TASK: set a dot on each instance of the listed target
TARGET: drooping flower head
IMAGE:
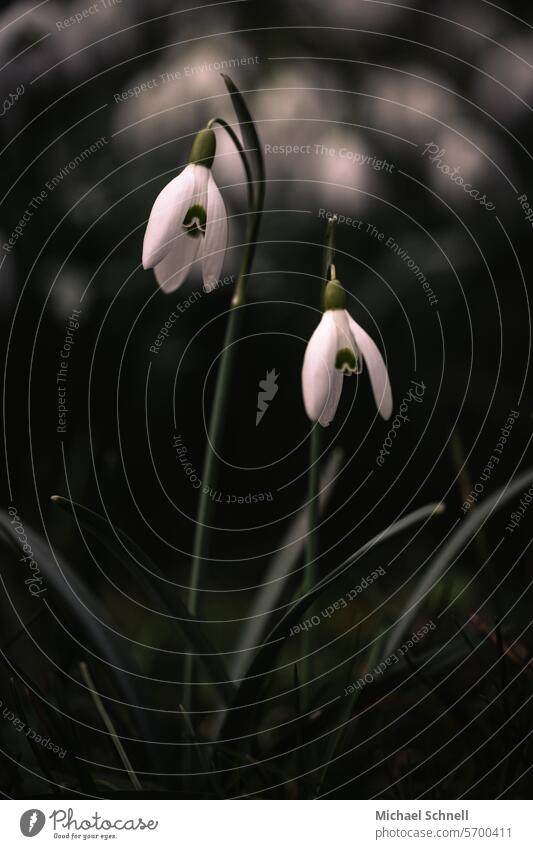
(338, 348)
(188, 221)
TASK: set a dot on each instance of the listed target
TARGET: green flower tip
(195, 220)
(347, 361)
(204, 148)
(334, 297)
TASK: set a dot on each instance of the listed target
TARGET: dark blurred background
(370, 91)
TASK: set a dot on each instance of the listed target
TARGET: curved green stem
(209, 470)
(242, 153)
(312, 542)
(256, 191)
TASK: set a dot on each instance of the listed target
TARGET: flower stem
(209, 471)
(218, 410)
(312, 541)
(242, 153)
(256, 195)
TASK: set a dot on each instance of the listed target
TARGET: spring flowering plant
(188, 221)
(188, 227)
(337, 349)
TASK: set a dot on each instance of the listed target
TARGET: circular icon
(32, 822)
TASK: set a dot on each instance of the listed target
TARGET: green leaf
(277, 586)
(239, 722)
(251, 141)
(86, 611)
(136, 561)
(451, 551)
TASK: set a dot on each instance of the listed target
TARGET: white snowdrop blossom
(188, 222)
(338, 348)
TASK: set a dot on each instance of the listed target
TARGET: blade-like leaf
(135, 561)
(250, 139)
(239, 721)
(451, 551)
(85, 609)
(277, 586)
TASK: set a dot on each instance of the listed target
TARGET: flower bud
(334, 296)
(204, 148)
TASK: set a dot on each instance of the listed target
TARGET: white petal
(166, 216)
(330, 408)
(377, 370)
(174, 267)
(185, 249)
(321, 381)
(201, 177)
(216, 237)
(345, 337)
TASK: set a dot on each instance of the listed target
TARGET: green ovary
(347, 361)
(195, 221)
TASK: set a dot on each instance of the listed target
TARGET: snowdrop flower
(188, 221)
(336, 349)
